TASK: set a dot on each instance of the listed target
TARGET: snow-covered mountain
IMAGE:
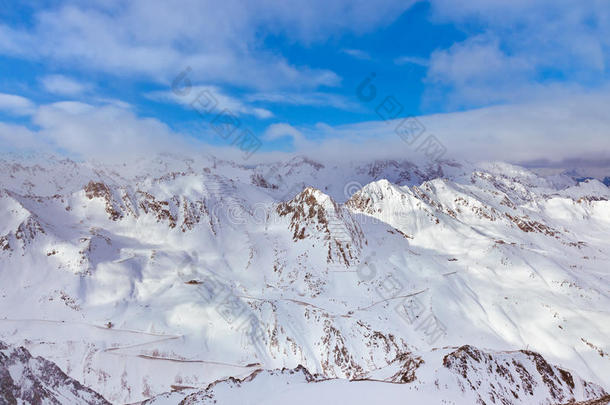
(159, 277)
(33, 380)
(467, 375)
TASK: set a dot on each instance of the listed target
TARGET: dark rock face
(34, 380)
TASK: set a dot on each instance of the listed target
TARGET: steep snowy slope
(170, 272)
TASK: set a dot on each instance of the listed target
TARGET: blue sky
(514, 80)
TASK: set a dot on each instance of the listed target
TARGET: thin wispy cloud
(414, 60)
(65, 86)
(357, 53)
(315, 99)
(213, 95)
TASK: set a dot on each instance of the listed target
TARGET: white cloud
(212, 98)
(221, 41)
(109, 132)
(477, 71)
(106, 131)
(16, 105)
(277, 131)
(18, 137)
(517, 49)
(65, 86)
(572, 125)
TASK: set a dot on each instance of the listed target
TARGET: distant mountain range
(174, 279)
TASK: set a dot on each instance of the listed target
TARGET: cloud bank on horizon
(521, 81)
